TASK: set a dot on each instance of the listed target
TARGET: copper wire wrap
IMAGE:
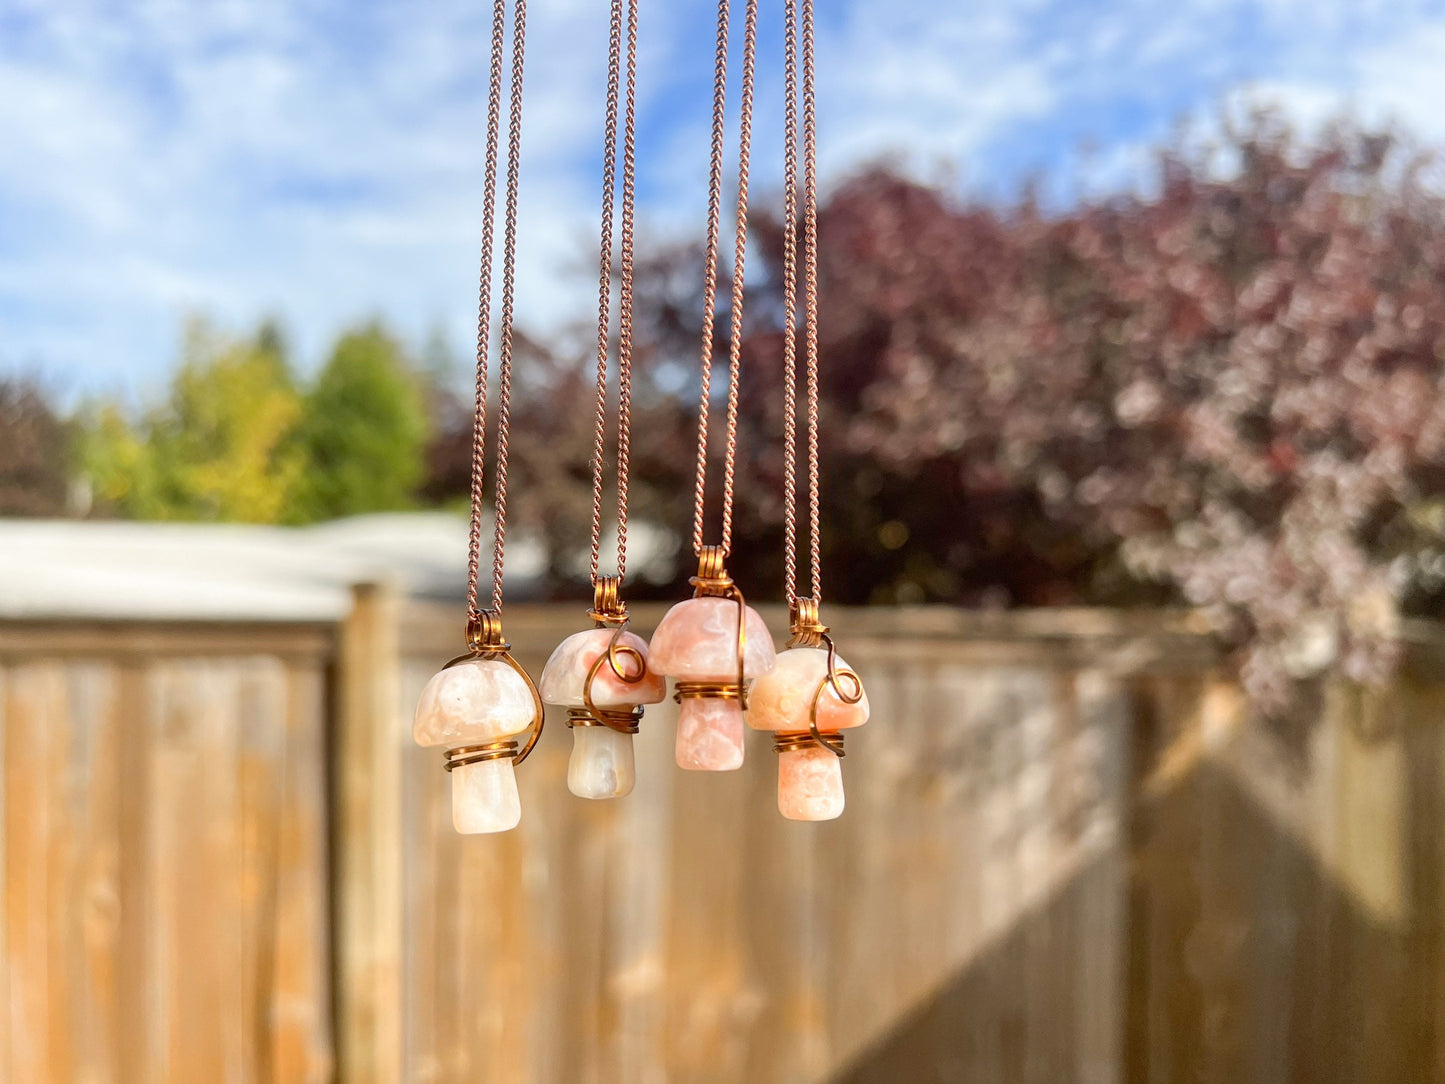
(710, 262)
(484, 292)
(712, 577)
(787, 741)
(809, 631)
(623, 720)
(485, 641)
(712, 580)
(463, 755)
(803, 621)
(608, 609)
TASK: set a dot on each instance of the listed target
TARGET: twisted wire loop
(713, 581)
(710, 269)
(625, 719)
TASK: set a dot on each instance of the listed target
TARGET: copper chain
(709, 271)
(624, 300)
(484, 308)
(810, 290)
(790, 298)
(810, 261)
(604, 288)
(714, 217)
(484, 289)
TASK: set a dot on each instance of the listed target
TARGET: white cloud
(176, 157)
(322, 160)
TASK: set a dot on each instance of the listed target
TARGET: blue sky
(320, 160)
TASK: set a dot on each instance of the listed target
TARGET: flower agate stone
(810, 784)
(697, 641)
(566, 673)
(810, 779)
(474, 703)
(783, 697)
(484, 797)
(602, 764)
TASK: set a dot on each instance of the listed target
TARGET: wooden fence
(1069, 854)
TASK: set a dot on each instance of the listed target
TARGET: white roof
(193, 571)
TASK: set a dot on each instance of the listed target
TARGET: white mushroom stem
(484, 797)
(602, 764)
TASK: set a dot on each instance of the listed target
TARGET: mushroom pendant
(474, 706)
(808, 699)
(713, 644)
(602, 678)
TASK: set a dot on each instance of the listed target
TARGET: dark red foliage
(34, 450)
(1229, 393)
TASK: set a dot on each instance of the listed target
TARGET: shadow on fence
(1069, 854)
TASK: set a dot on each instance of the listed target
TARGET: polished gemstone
(783, 697)
(602, 764)
(697, 641)
(709, 735)
(810, 784)
(473, 702)
(566, 672)
(484, 797)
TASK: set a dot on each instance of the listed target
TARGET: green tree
(218, 449)
(116, 459)
(363, 431)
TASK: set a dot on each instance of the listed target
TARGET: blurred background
(1133, 340)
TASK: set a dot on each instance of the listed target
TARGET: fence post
(368, 785)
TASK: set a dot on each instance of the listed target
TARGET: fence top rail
(1127, 640)
(165, 639)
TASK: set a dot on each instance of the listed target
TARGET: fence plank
(370, 729)
(28, 812)
(1069, 854)
(297, 1002)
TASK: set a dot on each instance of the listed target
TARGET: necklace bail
(484, 632)
(607, 605)
(807, 628)
(712, 577)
